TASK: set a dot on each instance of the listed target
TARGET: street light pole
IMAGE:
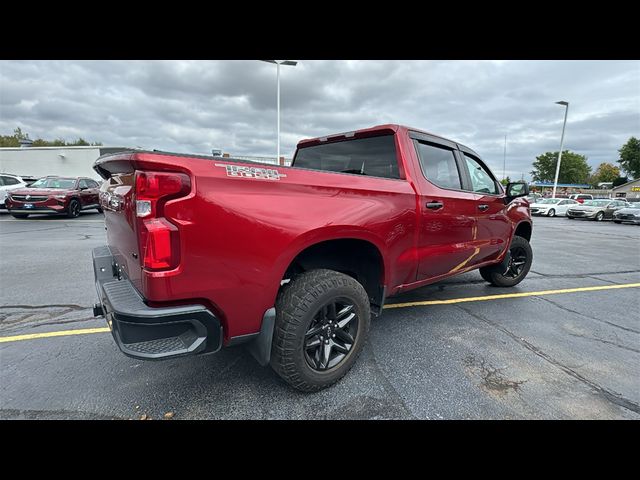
(504, 159)
(278, 63)
(555, 182)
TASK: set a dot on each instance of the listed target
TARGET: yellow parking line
(60, 333)
(511, 295)
(86, 331)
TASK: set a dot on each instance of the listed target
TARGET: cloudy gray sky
(194, 106)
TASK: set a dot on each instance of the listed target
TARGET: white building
(36, 162)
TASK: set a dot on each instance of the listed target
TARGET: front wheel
(599, 216)
(569, 217)
(322, 322)
(519, 265)
(552, 213)
(73, 210)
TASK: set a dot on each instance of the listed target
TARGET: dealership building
(34, 162)
(628, 190)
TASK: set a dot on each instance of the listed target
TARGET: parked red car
(55, 195)
(207, 252)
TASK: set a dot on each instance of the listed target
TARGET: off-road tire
(297, 304)
(495, 276)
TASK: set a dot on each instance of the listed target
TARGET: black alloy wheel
(331, 335)
(517, 262)
(520, 261)
(73, 210)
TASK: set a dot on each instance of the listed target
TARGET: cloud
(194, 106)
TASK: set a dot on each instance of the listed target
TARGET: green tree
(606, 172)
(14, 141)
(573, 168)
(620, 181)
(630, 157)
(505, 181)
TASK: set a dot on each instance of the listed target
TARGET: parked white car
(9, 182)
(552, 207)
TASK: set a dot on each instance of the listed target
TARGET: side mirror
(517, 189)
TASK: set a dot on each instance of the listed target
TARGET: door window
(439, 166)
(9, 181)
(481, 180)
(83, 184)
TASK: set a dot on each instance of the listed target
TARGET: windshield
(550, 200)
(375, 156)
(62, 183)
(596, 203)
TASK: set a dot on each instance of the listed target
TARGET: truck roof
(364, 132)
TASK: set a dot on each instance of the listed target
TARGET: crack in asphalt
(609, 342)
(387, 386)
(35, 324)
(30, 231)
(583, 275)
(566, 309)
(492, 377)
(16, 414)
(613, 397)
(72, 306)
(19, 317)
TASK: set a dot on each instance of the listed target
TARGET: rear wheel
(552, 213)
(322, 322)
(599, 216)
(20, 215)
(516, 271)
(73, 210)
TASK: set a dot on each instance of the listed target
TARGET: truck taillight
(158, 238)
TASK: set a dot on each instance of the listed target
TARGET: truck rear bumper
(145, 332)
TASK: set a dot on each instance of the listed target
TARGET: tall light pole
(566, 111)
(278, 63)
(504, 159)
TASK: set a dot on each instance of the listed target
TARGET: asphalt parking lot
(559, 349)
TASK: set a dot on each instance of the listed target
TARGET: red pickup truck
(205, 252)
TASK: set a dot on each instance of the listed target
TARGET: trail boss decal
(251, 172)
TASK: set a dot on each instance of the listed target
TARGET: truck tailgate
(118, 203)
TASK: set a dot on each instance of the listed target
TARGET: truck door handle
(483, 207)
(435, 205)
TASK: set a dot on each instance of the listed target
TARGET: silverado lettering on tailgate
(251, 172)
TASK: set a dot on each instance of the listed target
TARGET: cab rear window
(372, 156)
